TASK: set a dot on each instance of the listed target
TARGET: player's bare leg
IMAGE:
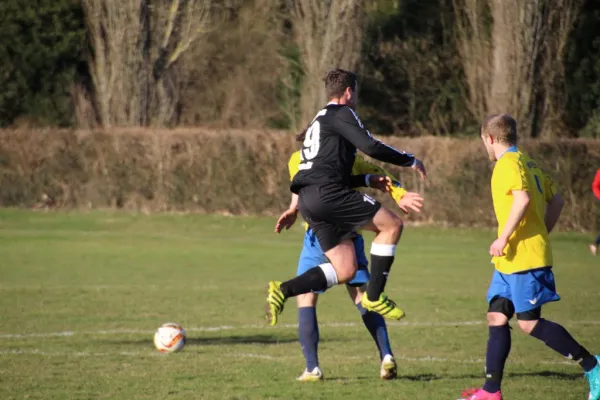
(388, 229)
(343, 260)
(308, 335)
(376, 326)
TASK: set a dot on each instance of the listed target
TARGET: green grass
(112, 278)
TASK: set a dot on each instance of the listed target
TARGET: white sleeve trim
(356, 117)
(379, 141)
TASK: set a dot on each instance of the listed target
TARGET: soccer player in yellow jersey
(527, 206)
(312, 254)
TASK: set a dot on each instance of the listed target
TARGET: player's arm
(553, 210)
(359, 180)
(352, 129)
(405, 200)
(378, 182)
(517, 212)
(362, 166)
(294, 203)
(288, 218)
(516, 184)
(554, 203)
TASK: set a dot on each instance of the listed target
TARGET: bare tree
(562, 16)
(474, 45)
(329, 34)
(234, 71)
(135, 46)
(512, 53)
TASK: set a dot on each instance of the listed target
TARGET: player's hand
(380, 182)
(420, 168)
(497, 248)
(286, 220)
(412, 201)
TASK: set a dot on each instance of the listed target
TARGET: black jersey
(329, 148)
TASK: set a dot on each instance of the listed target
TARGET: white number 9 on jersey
(310, 147)
(312, 141)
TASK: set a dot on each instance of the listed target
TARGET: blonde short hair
(501, 127)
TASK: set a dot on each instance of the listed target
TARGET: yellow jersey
(361, 166)
(528, 247)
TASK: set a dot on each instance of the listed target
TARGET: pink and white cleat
(480, 394)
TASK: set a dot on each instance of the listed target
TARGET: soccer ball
(169, 338)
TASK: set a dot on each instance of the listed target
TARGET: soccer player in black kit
(333, 210)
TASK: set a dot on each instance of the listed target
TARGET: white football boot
(389, 368)
(312, 376)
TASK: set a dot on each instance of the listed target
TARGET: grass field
(82, 293)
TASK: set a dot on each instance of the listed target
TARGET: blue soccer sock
(377, 328)
(498, 348)
(558, 339)
(597, 241)
(308, 334)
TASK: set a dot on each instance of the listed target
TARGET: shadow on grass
(216, 340)
(433, 377)
(240, 339)
(572, 376)
(414, 378)
(420, 377)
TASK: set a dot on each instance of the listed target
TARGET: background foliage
(258, 63)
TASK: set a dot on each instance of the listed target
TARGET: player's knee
(496, 319)
(500, 311)
(346, 273)
(397, 227)
(527, 326)
(529, 319)
(343, 260)
(393, 227)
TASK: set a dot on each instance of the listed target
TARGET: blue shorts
(527, 290)
(312, 255)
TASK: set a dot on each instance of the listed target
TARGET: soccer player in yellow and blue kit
(312, 254)
(527, 206)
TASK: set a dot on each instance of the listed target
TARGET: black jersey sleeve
(358, 181)
(350, 126)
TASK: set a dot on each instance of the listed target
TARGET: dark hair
(300, 137)
(500, 126)
(336, 82)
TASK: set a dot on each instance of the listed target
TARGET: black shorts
(335, 212)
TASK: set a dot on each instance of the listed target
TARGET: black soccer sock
(558, 339)
(314, 280)
(498, 348)
(382, 258)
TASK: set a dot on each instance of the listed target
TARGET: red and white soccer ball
(169, 338)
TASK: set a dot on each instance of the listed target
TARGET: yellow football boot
(275, 302)
(384, 306)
